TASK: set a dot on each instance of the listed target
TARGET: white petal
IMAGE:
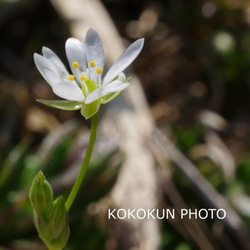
(75, 51)
(115, 86)
(94, 48)
(56, 62)
(93, 96)
(69, 91)
(52, 77)
(44, 66)
(125, 59)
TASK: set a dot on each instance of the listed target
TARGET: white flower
(85, 88)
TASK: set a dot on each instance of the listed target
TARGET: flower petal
(69, 91)
(115, 86)
(93, 96)
(52, 77)
(61, 104)
(44, 66)
(56, 62)
(75, 51)
(125, 59)
(94, 48)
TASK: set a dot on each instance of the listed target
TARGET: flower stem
(85, 163)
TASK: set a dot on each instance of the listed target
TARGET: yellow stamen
(99, 71)
(71, 78)
(82, 78)
(92, 64)
(75, 65)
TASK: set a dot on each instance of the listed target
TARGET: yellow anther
(82, 78)
(99, 71)
(75, 65)
(92, 64)
(71, 78)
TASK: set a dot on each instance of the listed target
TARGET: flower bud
(58, 224)
(41, 194)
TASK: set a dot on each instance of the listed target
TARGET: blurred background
(195, 74)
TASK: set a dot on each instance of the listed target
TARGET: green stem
(85, 163)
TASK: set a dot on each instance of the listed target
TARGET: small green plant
(84, 90)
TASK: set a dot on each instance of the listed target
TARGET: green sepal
(61, 104)
(88, 110)
(42, 224)
(110, 97)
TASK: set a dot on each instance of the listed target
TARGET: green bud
(58, 224)
(50, 217)
(41, 194)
